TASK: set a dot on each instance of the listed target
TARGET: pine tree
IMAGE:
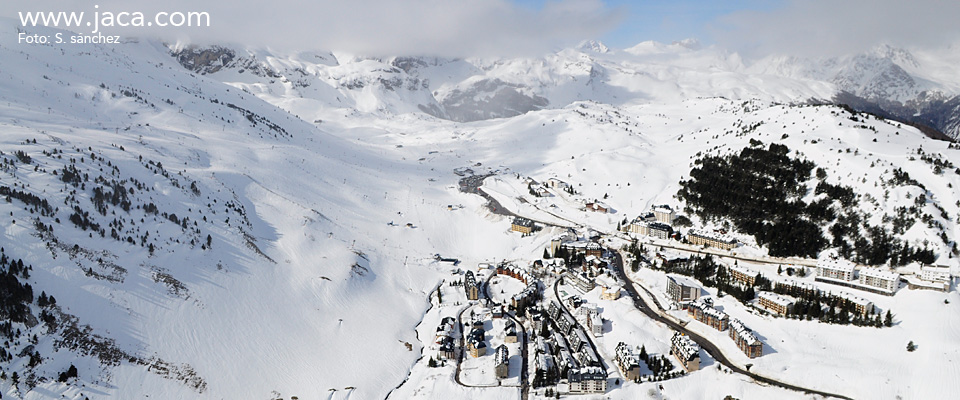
(911, 347)
(888, 321)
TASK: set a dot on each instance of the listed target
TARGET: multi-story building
(838, 269)
(711, 239)
(501, 362)
(514, 272)
(585, 247)
(686, 350)
(779, 304)
(682, 289)
(589, 316)
(939, 273)
(743, 275)
(447, 349)
(470, 287)
(510, 332)
(628, 361)
(655, 229)
(745, 339)
(522, 225)
(527, 296)
(708, 315)
(664, 213)
(885, 281)
(861, 305)
(565, 323)
(546, 369)
(578, 338)
(933, 278)
(587, 380)
(553, 310)
(610, 293)
(579, 280)
(796, 288)
(588, 357)
(476, 343)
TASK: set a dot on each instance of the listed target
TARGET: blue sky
(669, 20)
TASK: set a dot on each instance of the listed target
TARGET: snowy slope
(308, 168)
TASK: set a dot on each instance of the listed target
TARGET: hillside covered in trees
(765, 192)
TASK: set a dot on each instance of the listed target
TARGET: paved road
(524, 387)
(702, 341)
(672, 244)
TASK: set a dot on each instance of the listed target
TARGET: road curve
(702, 341)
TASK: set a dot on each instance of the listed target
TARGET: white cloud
(372, 27)
(828, 27)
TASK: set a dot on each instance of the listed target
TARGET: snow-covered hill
(233, 223)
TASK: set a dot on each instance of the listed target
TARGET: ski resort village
(665, 221)
(621, 312)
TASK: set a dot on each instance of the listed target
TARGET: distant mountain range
(887, 81)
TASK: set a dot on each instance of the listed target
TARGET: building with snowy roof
(742, 274)
(885, 281)
(686, 351)
(796, 288)
(746, 341)
(596, 206)
(861, 305)
(838, 269)
(708, 315)
(658, 230)
(587, 380)
(777, 303)
(522, 225)
(939, 273)
(628, 361)
(470, 287)
(682, 289)
(701, 237)
(501, 362)
(664, 213)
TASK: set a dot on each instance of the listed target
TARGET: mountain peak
(595, 46)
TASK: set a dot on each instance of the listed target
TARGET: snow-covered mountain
(887, 80)
(226, 222)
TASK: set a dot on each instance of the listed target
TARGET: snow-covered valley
(269, 229)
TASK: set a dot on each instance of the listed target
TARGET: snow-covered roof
(683, 280)
(711, 235)
(685, 346)
(709, 311)
(502, 355)
(663, 208)
(879, 274)
(523, 222)
(855, 300)
(743, 332)
(836, 264)
(782, 300)
(798, 284)
(626, 356)
(743, 270)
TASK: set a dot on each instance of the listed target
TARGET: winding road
(704, 343)
(524, 386)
